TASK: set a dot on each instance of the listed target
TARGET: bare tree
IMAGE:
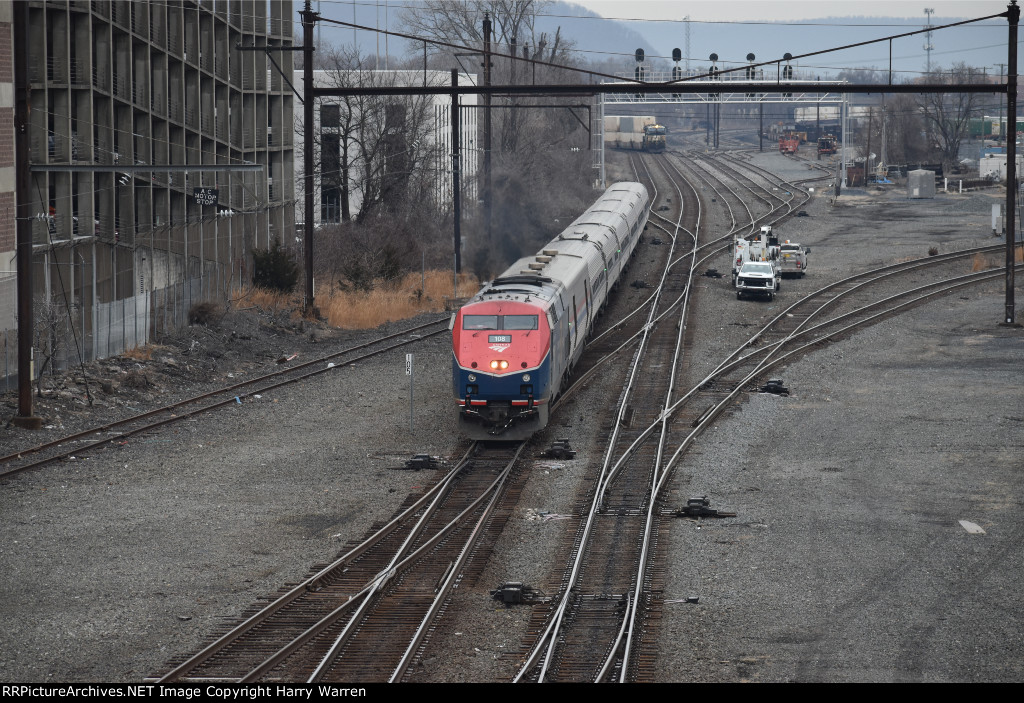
(946, 115)
(904, 128)
(461, 23)
(540, 165)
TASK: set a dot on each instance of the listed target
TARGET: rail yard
(868, 528)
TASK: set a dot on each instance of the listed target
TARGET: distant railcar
(654, 138)
(789, 143)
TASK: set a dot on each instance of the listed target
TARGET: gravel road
(846, 561)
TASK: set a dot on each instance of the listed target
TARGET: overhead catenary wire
(597, 74)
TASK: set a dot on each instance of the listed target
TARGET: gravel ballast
(846, 561)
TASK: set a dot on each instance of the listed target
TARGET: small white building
(994, 165)
(338, 120)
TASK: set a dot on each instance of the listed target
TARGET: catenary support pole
(487, 129)
(308, 22)
(1013, 15)
(456, 157)
(23, 226)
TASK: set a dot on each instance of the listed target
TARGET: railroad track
(600, 627)
(118, 431)
(609, 612)
(367, 615)
(375, 641)
(576, 638)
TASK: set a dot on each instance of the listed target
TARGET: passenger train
(516, 340)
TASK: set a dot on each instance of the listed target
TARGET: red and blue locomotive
(515, 342)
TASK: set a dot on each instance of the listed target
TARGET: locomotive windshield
(499, 322)
(480, 322)
(518, 322)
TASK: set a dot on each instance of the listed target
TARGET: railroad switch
(775, 386)
(698, 507)
(516, 592)
(560, 449)
(712, 273)
(423, 461)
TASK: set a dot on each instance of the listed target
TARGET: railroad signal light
(787, 72)
(713, 71)
(749, 71)
(639, 71)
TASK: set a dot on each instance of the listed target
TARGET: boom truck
(755, 267)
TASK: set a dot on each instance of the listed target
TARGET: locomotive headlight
(526, 377)
(494, 365)
(471, 377)
(503, 364)
(499, 364)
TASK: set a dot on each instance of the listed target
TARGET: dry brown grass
(265, 299)
(143, 353)
(981, 262)
(390, 302)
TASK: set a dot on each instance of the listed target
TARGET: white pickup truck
(793, 258)
(759, 278)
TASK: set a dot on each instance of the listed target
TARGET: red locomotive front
(501, 368)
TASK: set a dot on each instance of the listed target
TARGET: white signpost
(408, 372)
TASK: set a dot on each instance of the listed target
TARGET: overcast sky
(753, 10)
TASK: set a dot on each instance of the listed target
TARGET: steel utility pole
(487, 127)
(308, 22)
(1000, 113)
(456, 195)
(1013, 16)
(928, 35)
(23, 221)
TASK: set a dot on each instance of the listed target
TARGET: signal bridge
(763, 88)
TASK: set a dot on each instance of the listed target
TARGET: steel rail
(554, 623)
(617, 468)
(389, 571)
(798, 334)
(877, 275)
(313, 581)
(761, 368)
(713, 375)
(633, 603)
(330, 619)
(454, 573)
(549, 636)
(712, 413)
(203, 396)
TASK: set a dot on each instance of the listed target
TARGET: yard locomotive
(515, 342)
(789, 143)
